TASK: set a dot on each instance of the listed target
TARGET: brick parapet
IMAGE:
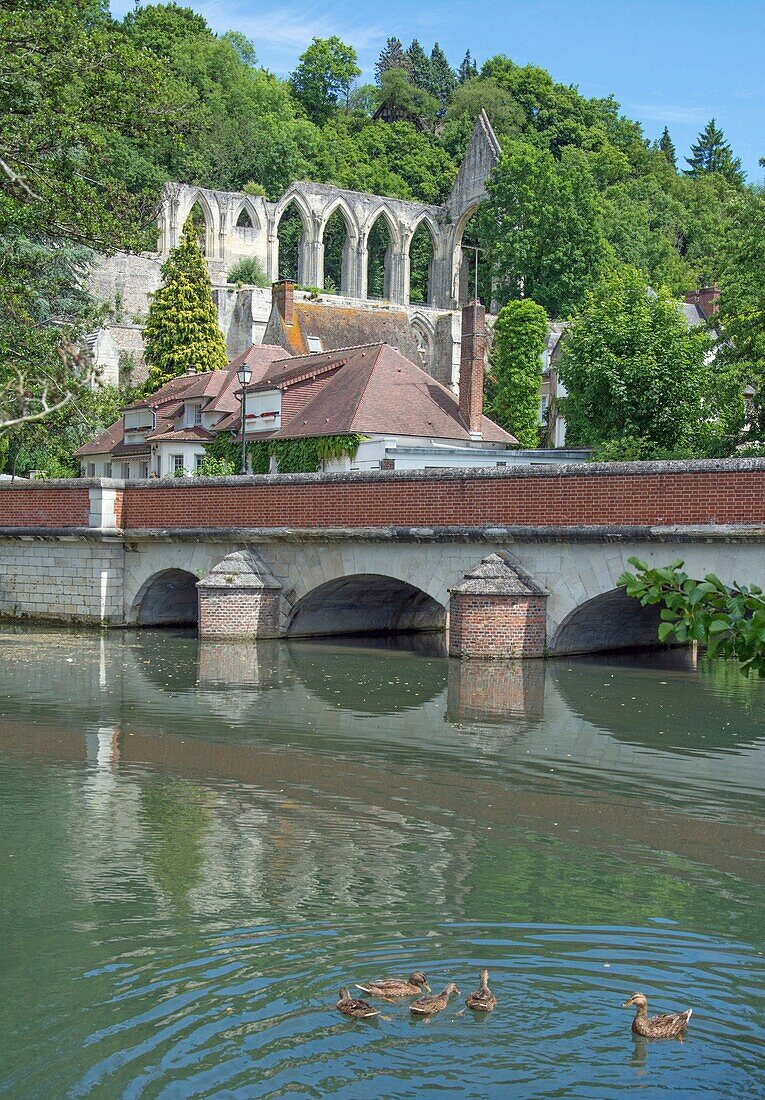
(577, 495)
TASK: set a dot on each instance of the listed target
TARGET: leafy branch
(730, 622)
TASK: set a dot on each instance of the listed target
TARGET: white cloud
(670, 113)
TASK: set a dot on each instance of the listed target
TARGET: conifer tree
(467, 70)
(419, 67)
(520, 332)
(667, 147)
(182, 326)
(442, 78)
(392, 56)
(712, 153)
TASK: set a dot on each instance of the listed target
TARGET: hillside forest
(96, 114)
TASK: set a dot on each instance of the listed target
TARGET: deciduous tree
(543, 225)
(324, 77)
(635, 373)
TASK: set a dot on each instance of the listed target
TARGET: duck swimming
(359, 1010)
(429, 1006)
(483, 1000)
(391, 988)
(656, 1027)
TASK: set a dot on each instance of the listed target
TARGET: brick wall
(644, 499)
(238, 613)
(567, 496)
(49, 507)
(497, 626)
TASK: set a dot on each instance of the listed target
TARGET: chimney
(472, 356)
(283, 297)
(707, 299)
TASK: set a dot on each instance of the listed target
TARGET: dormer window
(263, 411)
(197, 415)
(314, 344)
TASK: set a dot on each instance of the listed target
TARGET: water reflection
(215, 837)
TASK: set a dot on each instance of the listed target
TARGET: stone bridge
(521, 561)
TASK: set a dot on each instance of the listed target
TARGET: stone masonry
(286, 554)
(125, 282)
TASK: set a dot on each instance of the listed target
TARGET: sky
(667, 62)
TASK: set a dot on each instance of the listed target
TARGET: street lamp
(243, 375)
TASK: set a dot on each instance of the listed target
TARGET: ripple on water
(250, 1012)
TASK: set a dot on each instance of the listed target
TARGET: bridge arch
(167, 598)
(365, 603)
(611, 621)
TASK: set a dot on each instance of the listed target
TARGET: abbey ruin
(239, 226)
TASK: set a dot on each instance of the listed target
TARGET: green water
(199, 844)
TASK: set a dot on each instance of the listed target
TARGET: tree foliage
(324, 77)
(741, 276)
(729, 621)
(392, 56)
(544, 227)
(712, 153)
(182, 326)
(518, 342)
(74, 94)
(635, 373)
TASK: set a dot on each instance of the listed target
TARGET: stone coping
(487, 534)
(501, 473)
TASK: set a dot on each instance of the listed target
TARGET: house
(404, 417)
(165, 434)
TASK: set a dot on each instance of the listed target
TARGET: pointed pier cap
(496, 575)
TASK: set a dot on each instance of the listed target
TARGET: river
(201, 843)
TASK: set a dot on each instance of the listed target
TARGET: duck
(392, 988)
(483, 1000)
(429, 1006)
(670, 1026)
(350, 1006)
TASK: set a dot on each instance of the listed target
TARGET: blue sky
(665, 61)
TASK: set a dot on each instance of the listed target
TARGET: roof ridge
(369, 378)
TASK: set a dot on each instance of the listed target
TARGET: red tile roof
(378, 391)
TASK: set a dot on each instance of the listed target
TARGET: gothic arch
(246, 205)
(459, 286)
(424, 334)
(211, 214)
(345, 278)
(292, 199)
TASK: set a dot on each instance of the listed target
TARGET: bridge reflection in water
(209, 839)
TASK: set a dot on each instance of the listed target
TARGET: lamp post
(243, 375)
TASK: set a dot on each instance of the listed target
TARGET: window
(144, 469)
(126, 470)
(314, 344)
(199, 459)
(197, 411)
(177, 461)
(91, 469)
(108, 469)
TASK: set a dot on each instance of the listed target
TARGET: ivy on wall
(223, 455)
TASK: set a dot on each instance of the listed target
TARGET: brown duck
(359, 1010)
(483, 1000)
(656, 1027)
(391, 988)
(429, 1006)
